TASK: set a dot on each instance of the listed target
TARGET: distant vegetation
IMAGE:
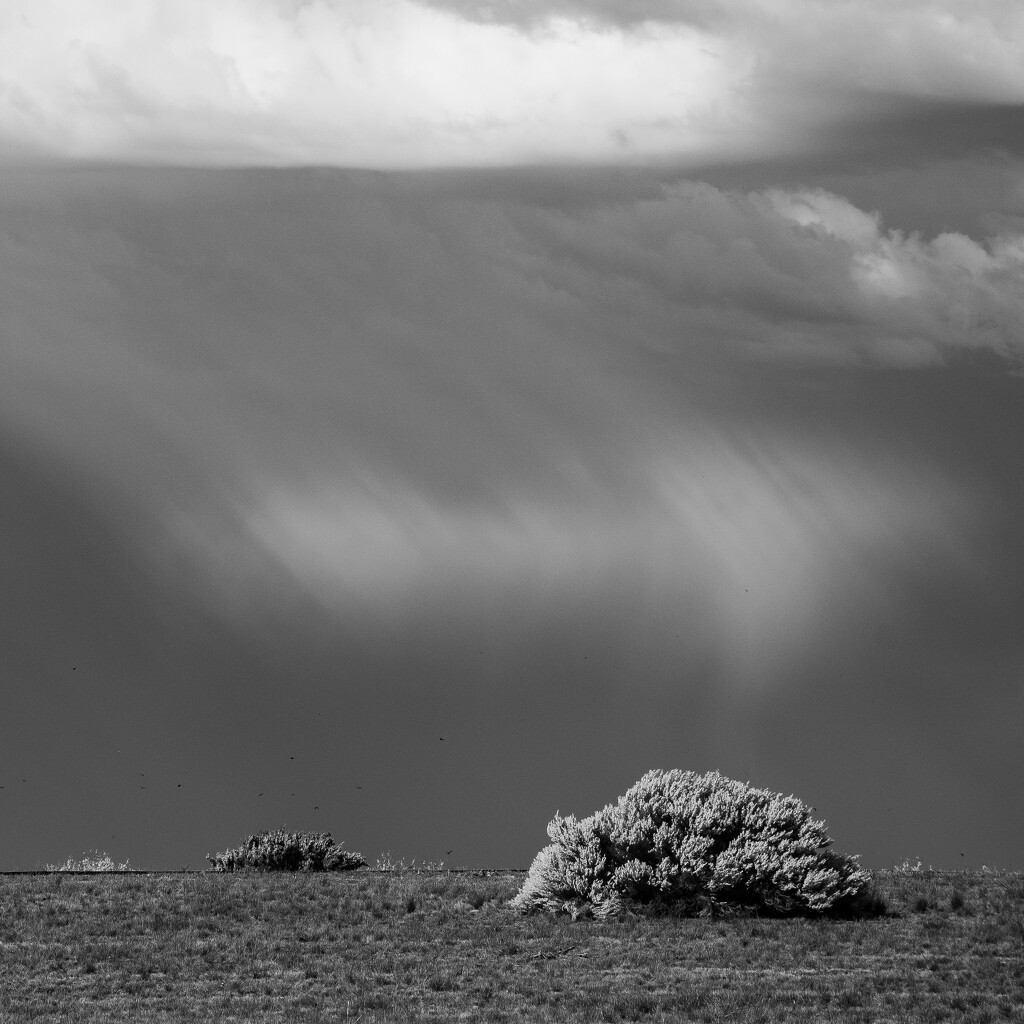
(406, 946)
(698, 844)
(279, 850)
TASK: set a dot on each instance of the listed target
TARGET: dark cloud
(369, 384)
(902, 130)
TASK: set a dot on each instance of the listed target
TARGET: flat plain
(414, 946)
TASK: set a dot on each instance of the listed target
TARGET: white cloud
(951, 291)
(826, 214)
(387, 83)
(399, 83)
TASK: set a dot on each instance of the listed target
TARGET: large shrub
(287, 851)
(697, 843)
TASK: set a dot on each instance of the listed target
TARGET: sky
(420, 418)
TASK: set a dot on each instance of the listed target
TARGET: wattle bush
(697, 844)
(287, 851)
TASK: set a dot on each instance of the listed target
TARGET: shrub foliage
(287, 851)
(696, 843)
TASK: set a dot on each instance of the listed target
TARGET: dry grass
(404, 946)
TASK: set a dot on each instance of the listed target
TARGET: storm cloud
(382, 399)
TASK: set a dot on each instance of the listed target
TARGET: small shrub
(94, 861)
(694, 844)
(287, 851)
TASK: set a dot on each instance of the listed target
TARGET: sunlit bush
(287, 851)
(696, 843)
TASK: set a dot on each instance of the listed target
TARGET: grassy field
(403, 946)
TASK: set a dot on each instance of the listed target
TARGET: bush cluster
(287, 851)
(697, 843)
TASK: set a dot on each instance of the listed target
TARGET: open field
(405, 946)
